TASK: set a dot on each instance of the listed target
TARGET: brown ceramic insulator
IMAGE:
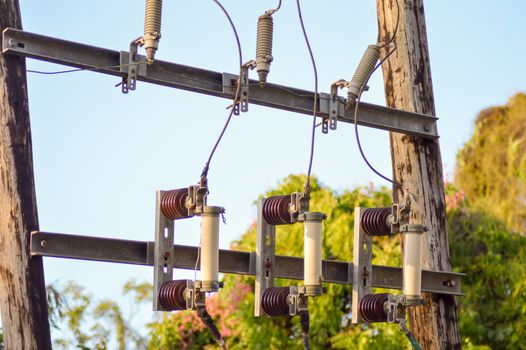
(371, 308)
(374, 221)
(276, 210)
(171, 295)
(274, 301)
(173, 204)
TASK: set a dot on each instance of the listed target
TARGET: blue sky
(100, 155)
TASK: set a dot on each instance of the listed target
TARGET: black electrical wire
(201, 311)
(204, 173)
(357, 103)
(315, 108)
(56, 72)
(205, 317)
(305, 324)
(409, 335)
(91, 69)
(238, 42)
(277, 8)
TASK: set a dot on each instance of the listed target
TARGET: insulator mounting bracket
(133, 65)
(334, 106)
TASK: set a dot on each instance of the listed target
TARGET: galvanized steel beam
(17, 42)
(235, 262)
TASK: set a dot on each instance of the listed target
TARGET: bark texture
(22, 289)
(417, 163)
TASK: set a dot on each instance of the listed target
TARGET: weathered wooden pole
(22, 289)
(417, 162)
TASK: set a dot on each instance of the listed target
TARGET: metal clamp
(297, 300)
(196, 200)
(244, 88)
(395, 308)
(413, 228)
(194, 298)
(334, 106)
(299, 205)
(131, 64)
(195, 293)
(399, 219)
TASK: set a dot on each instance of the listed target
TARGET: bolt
(166, 255)
(268, 264)
(449, 283)
(427, 128)
(11, 42)
(43, 243)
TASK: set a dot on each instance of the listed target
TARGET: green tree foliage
(493, 312)
(491, 167)
(82, 323)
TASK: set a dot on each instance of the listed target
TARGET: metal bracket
(412, 228)
(299, 204)
(334, 106)
(395, 308)
(195, 295)
(196, 200)
(400, 213)
(297, 300)
(131, 64)
(163, 253)
(243, 93)
(362, 265)
(231, 83)
(400, 216)
(265, 258)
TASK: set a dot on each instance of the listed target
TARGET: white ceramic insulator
(412, 268)
(210, 244)
(312, 253)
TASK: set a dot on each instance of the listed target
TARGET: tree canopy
(491, 167)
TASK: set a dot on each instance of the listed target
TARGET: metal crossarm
(40, 47)
(235, 262)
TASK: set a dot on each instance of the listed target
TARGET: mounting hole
(21, 45)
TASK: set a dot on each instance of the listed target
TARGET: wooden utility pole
(417, 162)
(22, 289)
